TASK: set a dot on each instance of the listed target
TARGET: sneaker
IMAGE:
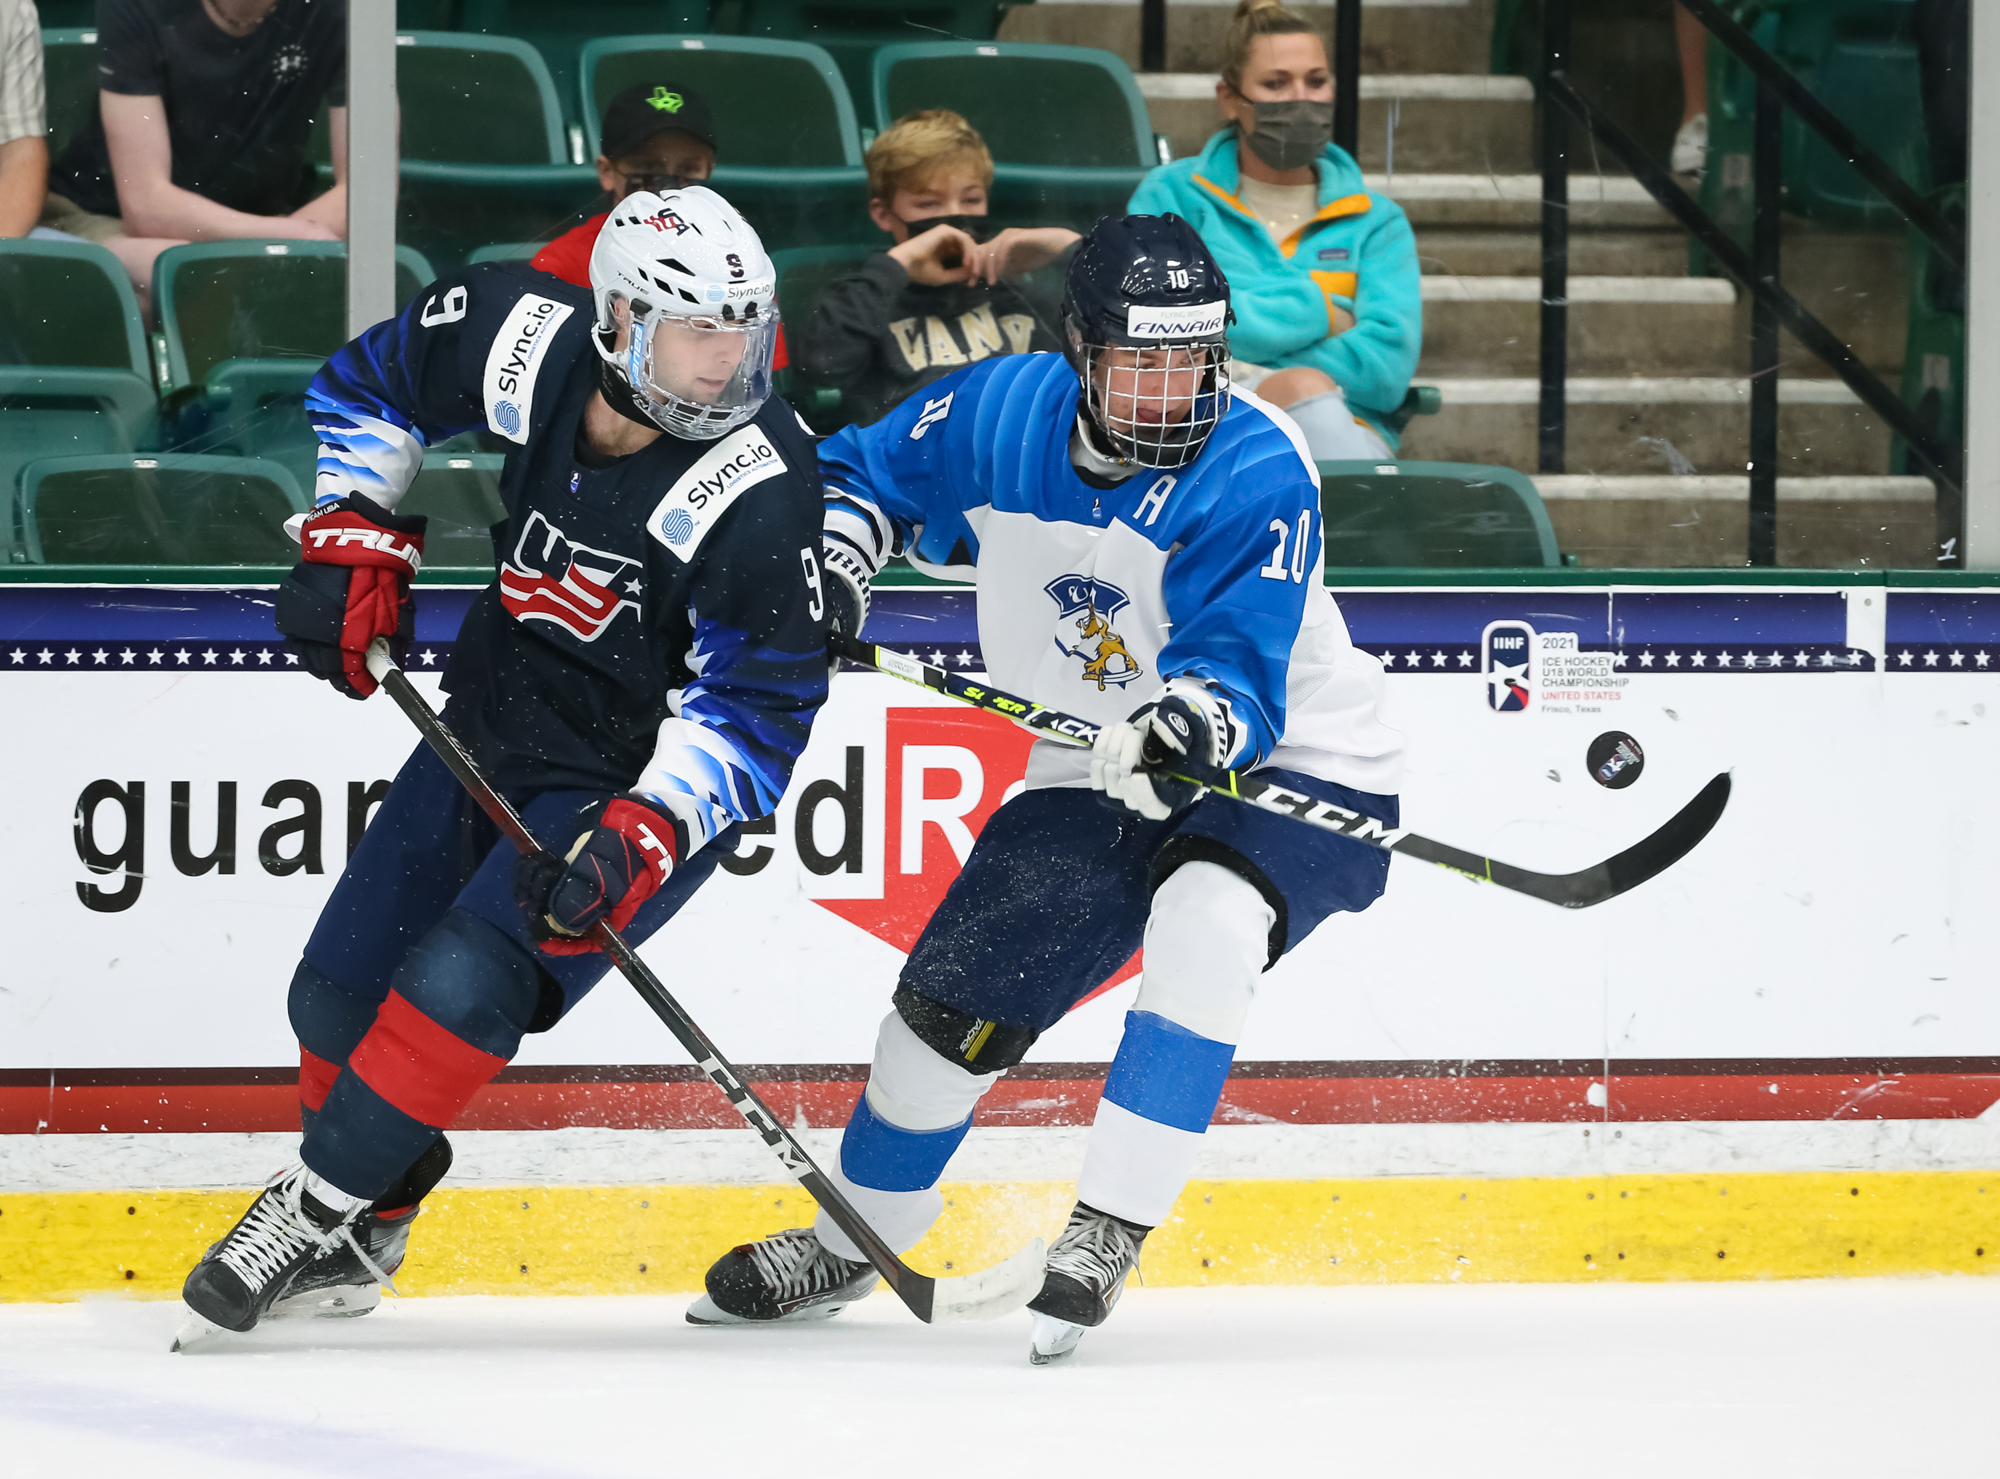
(1087, 1270)
(341, 1282)
(788, 1276)
(286, 1228)
(1690, 156)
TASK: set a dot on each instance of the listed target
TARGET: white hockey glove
(1187, 729)
(847, 594)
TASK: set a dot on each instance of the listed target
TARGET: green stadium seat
(559, 29)
(1859, 57)
(1033, 195)
(1433, 515)
(69, 79)
(1040, 106)
(157, 510)
(476, 100)
(852, 30)
(69, 303)
(803, 273)
(460, 493)
(505, 251)
(740, 78)
(246, 328)
(449, 211)
(69, 411)
(66, 13)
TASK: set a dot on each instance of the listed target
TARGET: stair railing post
(1766, 162)
(1347, 76)
(1554, 127)
(1152, 35)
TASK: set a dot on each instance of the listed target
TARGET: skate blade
(992, 1292)
(342, 1303)
(1051, 1340)
(705, 1311)
(193, 1331)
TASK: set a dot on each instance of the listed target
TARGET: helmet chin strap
(621, 397)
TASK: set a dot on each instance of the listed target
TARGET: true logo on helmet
(1197, 321)
(515, 360)
(1091, 603)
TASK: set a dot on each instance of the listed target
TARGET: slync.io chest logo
(1507, 660)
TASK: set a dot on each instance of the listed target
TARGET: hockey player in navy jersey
(639, 678)
(1147, 550)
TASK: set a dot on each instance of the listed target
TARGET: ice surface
(1843, 1377)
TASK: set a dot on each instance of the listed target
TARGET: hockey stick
(980, 1296)
(1593, 885)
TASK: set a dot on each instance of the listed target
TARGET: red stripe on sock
(316, 1077)
(420, 1067)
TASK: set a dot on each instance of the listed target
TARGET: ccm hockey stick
(1593, 885)
(980, 1296)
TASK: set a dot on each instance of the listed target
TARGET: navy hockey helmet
(1146, 323)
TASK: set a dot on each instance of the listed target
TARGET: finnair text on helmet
(1197, 321)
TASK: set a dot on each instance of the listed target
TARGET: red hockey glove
(627, 850)
(351, 585)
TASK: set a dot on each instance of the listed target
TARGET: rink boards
(1824, 959)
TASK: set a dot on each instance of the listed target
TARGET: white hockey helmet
(703, 304)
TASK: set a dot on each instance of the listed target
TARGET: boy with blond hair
(947, 294)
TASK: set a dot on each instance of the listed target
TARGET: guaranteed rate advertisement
(181, 799)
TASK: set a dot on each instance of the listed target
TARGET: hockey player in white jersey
(1147, 550)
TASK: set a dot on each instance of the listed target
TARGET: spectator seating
(74, 371)
(156, 510)
(851, 30)
(476, 100)
(505, 251)
(69, 73)
(1086, 112)
(559, 29)
(460, 493)
(1449, 515)
(246, 326)
(1859, 57)
(803, 273)
(740, 78)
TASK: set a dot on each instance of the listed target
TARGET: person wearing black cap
(657, 136)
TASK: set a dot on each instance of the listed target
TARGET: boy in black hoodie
(940, 298)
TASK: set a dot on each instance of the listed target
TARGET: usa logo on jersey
(1091, 603)
(554, 579)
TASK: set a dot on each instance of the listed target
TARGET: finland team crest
(1092, 603)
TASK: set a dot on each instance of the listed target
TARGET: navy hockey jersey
(657, 622)
(1090, 599)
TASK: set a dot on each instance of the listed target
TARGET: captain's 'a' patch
(734, 465)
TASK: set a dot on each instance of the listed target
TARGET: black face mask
(976, 227)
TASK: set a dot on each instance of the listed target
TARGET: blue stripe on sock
(878, 1155)
(361, 1142)
(1167, 1074)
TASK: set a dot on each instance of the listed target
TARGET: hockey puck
(1615, 759)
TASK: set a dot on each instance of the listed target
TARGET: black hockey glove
(628, 848)
(1187, 729)
(351, 585)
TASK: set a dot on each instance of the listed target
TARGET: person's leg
(457, 1006)
(1691, 37)
(1050, 903)
(136, 254)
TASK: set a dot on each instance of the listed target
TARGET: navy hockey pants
(420, 978)
(1056, 892)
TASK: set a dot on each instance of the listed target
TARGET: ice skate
(787, 1277)
(286, 1228)
(1086, 1275)
(340, 1283)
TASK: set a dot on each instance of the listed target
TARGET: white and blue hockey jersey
(1090, 599)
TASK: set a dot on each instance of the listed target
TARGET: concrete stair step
(1627, 426)
(1449, 250)
(1597, 202)
(1678, 522)
(1434, 122)
(1491, 326)
(1396, 35)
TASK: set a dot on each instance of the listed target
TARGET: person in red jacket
(656, 136)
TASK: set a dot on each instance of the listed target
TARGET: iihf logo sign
(1507, 660)
(1091, 603)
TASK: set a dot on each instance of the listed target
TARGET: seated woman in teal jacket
(1322, 274)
